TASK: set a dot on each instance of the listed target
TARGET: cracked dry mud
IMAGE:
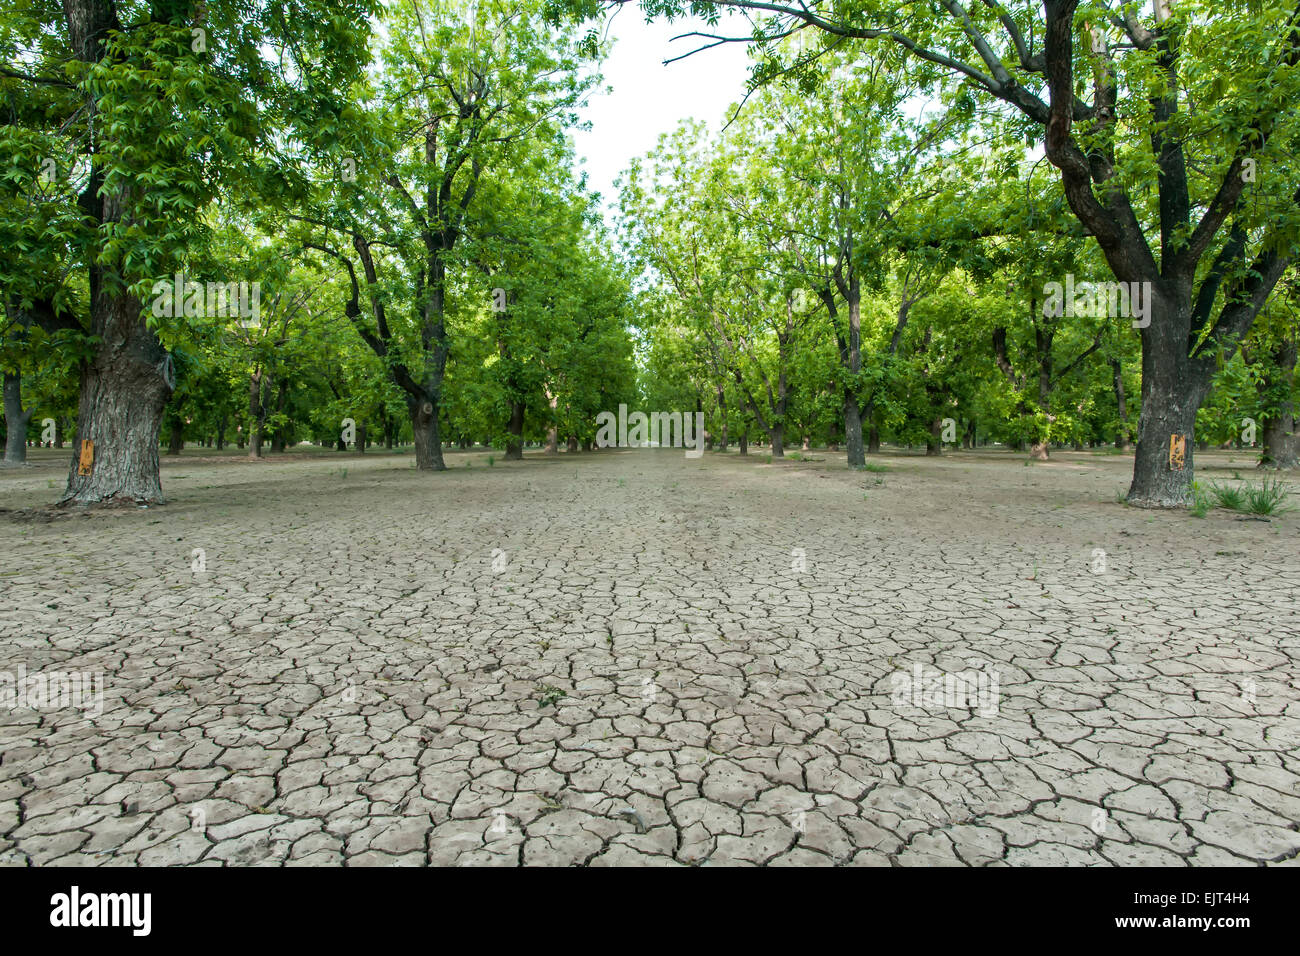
(614, 658)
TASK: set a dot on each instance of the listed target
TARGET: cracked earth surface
(625, 658)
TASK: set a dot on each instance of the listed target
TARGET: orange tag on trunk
(87, 457)
(1177, 452)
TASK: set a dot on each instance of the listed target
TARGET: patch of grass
(1228, 496)
(491, 460)
(1268, 498)
(872, 466)
(767, 459)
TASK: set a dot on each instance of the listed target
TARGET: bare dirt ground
(630, 657)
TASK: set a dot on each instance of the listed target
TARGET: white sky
(649, 98)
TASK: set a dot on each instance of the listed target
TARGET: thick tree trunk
(515, 433)
(777, 434)
(933, 444)
(853, 430)
(221, 434)
(852, 410)
(744, 441)
(428, 443)
(1172, 391)
(123, 394)
(360, 446)
(16, 420)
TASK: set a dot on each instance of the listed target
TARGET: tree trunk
(360, 444)
(16, 420)
(552, 433)
(428, 443)
(777, 434)
(176, 437)
(256, 414)
(123, 395)
(221, 434)
(853, 430)
(515, 433)
(1172, 391)
(852, 409)
(933, 445)
(744, 441)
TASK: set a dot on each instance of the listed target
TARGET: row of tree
(265, 221)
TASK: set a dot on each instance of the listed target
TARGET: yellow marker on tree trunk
(1177, 452)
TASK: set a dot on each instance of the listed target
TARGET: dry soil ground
(630, 657)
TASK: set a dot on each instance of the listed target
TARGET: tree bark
(515, 432)
(428, 443)
(852, 411)
(256, 413)
(16, 420)
(176, 436)
(123, 395)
